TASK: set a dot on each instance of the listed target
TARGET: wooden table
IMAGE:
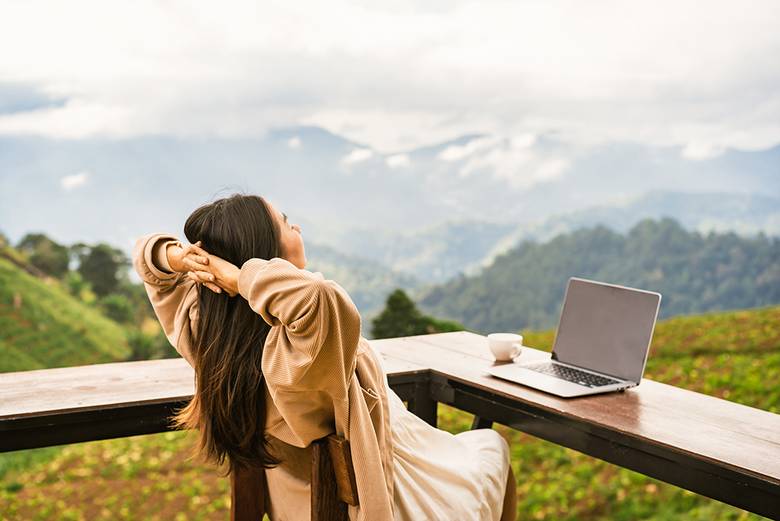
(714, 447)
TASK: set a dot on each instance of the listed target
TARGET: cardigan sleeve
(173, 296)
(316, 347)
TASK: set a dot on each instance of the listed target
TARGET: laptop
(601, 345)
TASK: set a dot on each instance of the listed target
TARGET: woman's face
(291, 239)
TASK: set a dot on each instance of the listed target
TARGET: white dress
(442, 476)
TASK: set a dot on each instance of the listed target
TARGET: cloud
(700, 151)
(679, 73)
(74, 120)
(69, 182)
(523, 141)
(17, 97)
(294, 143)
(514, 160)
(459, 152)
(357, 155)
(398, 161)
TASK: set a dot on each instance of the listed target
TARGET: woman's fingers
(201, 276)
(200, 279)
(200, 251)
(213, 287)
(194, 263)
(198, 258)
(205, 268)
(204, 276)
(197, 250)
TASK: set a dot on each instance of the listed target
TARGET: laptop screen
(606, 328)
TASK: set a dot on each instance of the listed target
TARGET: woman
(268, 385)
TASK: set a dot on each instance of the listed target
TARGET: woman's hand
(215, 273)
(181, 258)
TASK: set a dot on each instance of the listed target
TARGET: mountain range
(410, 219)
(115, 190)
(694, 272)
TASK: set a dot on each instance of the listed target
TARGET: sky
(397, 75)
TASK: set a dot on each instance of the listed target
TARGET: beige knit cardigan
(321, 376)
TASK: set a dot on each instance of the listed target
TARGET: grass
(41, 325)
(732, 355)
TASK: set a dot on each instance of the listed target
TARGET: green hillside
(734, 355)
(366, 281)
(695, 273)
(41, 325)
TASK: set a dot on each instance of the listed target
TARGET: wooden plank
(47, 430)
(82, 388)
(706, 427)
(101, 386)
(398, 367)
(85, 403)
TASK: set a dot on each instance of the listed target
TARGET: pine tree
(402, 318)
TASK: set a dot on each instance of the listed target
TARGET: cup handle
(517, 347)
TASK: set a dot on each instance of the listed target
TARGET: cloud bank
(69, 182)
(702, 76)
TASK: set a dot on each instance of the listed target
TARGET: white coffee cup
(505, 346)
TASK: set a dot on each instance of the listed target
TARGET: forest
(694, 272)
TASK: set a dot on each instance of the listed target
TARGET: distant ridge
(696, 273)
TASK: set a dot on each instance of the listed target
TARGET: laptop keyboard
(572, 375)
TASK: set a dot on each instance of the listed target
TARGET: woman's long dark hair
(228, 407)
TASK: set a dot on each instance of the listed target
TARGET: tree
(402, 318)
(138, 299)
(45, 254)
(103, 266)
(149, 347)
(118, 308)
(75, 284)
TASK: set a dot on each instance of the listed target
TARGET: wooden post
(325, 504)
(422, 405)
(481, 423)
(341, 457)
(247, 494)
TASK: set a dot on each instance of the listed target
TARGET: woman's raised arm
(276, 289)
(318, 348)
(317, 314)
(279, 291)
(159, 261)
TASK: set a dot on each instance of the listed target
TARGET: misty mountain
(367, 282)
(433, 254)
(332, 186)
(410, 219)
(695, 273)
(440, 252)
(746, 214)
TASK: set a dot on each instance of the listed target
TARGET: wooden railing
(710, 446)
